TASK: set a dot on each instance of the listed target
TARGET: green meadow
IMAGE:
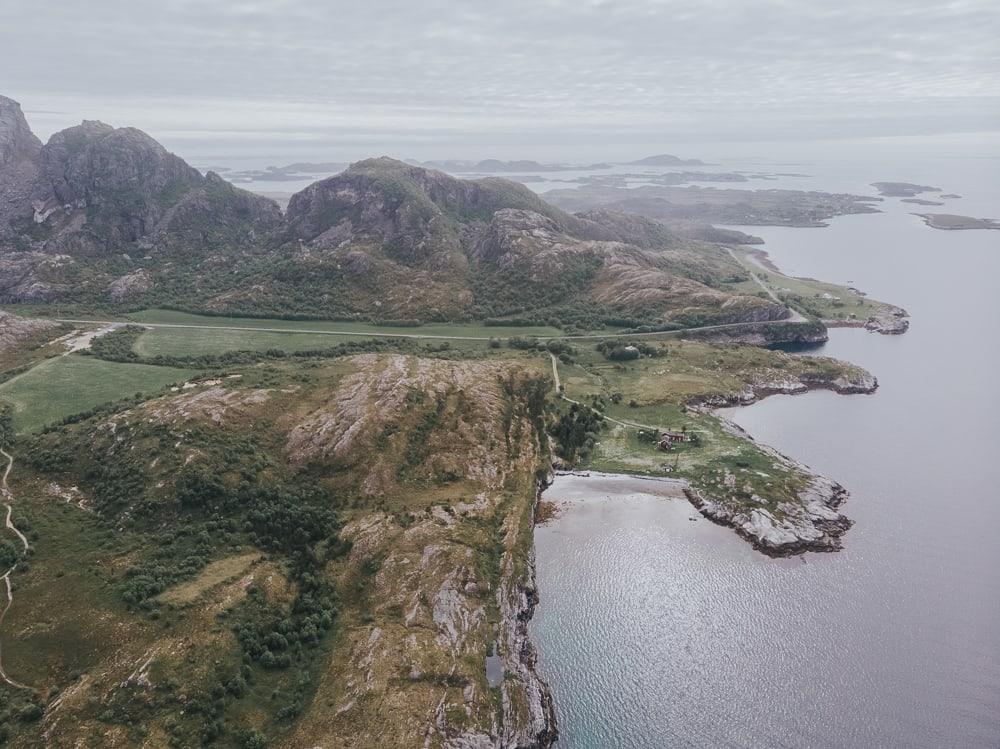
(66, 385)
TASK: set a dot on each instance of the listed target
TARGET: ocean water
(656, 630)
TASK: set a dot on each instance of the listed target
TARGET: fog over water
(658, 631)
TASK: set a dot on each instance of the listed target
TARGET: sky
(507, 78)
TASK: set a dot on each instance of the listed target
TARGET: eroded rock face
(15, 330)
(94, 190)
(18, 168)
(366, 423)
(130, 286)
(34, 276)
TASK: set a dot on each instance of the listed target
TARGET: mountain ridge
(104, 217)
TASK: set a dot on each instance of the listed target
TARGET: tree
(6, 425)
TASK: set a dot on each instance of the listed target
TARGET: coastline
(816, 524)
(535, 727)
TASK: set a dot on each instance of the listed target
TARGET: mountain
(405, 241)
(666, 159)
(95, 191)
(104, 216)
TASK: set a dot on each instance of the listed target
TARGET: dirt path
(7, 499)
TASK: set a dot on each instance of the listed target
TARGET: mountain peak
(17, 142)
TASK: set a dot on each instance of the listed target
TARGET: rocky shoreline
(538, 729)
(815, 523)
(892, 320)
(816, 526)
(862, 383)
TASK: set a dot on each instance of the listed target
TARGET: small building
(667, 439)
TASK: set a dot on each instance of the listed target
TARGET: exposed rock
(34, 276)
(888, 320)
(18, 168)
(16, 330)
(814, 523)
(856, 381)
(94, 190)
(130, 285)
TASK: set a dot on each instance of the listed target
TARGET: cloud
(681, 66)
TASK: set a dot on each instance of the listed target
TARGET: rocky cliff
(94, 191)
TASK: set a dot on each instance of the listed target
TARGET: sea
(657, 628)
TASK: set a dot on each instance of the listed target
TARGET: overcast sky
(447, 77)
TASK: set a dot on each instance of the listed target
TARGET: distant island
(712, 205)
(666, 159)
(921, 201)
(902, 189)
(495, 166)
(953, 222)
(288, 173)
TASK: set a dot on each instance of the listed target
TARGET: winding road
(8, 497)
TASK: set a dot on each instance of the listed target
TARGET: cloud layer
(309, 68)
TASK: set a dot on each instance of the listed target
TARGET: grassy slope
(131, 674)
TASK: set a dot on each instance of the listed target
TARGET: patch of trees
(119, 350)
(6, 425)
(620, 349)
(575, 431)
(118, 344)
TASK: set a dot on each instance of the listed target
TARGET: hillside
(331, 548)
(96, 211)
(399, 241)
(319, 560)
(101, 218)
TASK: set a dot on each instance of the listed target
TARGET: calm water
(658, 631)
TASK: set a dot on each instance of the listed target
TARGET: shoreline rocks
(861, 383)
(520, 658)
(891, 320)
(814, 524)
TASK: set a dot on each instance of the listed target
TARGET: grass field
(445, 330)
(193, 342)
(66, 385)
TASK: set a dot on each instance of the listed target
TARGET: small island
(953, 222)
(902, 189)
(921, 201)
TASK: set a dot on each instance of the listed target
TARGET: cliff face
(96, 188)
(18, 164)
